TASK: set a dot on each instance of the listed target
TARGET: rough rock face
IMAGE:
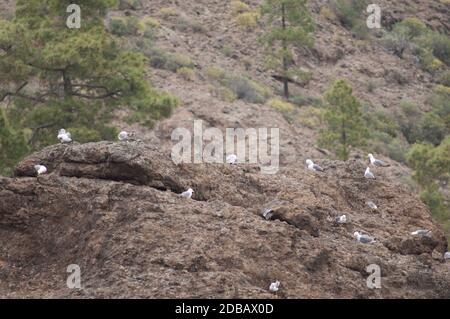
(114, 210)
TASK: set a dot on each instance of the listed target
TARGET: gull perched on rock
(365, 239)
(123, 136)
(40, 169)
(421, 232)
(341, 219)
(313, 167)
(376, 162)
(371, 205)
(64, 136)
(188, 193)
(231, 159)
(368, 174)
(447, 255)
(267, 213)
(274, 286)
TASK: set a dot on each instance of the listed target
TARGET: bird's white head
(356, 234)
(190, 190)
(309, 162)
(370, 155)
(37, 167)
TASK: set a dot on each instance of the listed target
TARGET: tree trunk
(285, 62)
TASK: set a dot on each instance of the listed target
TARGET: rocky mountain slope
(114, 209)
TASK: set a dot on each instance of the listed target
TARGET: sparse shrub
(124, 26)
(398, 43)
(238, 7)
(149, 27)
(311, 117)
(280, 105)
(349, 12)
(432, 129)
(161, 59)
(371, 86)
(327, 13)
(444, 78)
(247, 20)
(303, 100)
(381, 121)
(215, 73)
(383, 143)
(439, 44)
(407, 119)
(242, 87)
(186, 73)
(227, 50)
(246, 89)
(130, 4)
(222, 93)
(167, 13)
(411, 28)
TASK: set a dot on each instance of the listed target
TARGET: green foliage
(247, 20)
(12, 146)
(344, 121)
(431, 127)
(349, 12)
(242, 87)
(430, 165)
(124, 26)
(431, 47)
(57, 77)
(429, 162)
(281, 38)
(162, 59)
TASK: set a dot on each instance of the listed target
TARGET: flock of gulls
(65, 137)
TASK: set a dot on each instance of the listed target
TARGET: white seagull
(267, 213)
(64, 137)
(368, 174)
(371, 205)
(274, 286)
(376, 162)
(447, 255)
(231, 159)
(313, 167)
(421, 232)
(365, 239)
(40, 169)
(341, 219)
(188, 193)
(123, 136)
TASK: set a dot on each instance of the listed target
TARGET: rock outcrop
(114, 209)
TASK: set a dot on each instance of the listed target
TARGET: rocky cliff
(114, 209)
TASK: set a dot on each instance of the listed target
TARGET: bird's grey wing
(317, 168)
(366, 239)
(379, 163)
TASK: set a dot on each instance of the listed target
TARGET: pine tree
(56, 77)
(290, 26)
(430, 165)
(12, 146)
(343, 117)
